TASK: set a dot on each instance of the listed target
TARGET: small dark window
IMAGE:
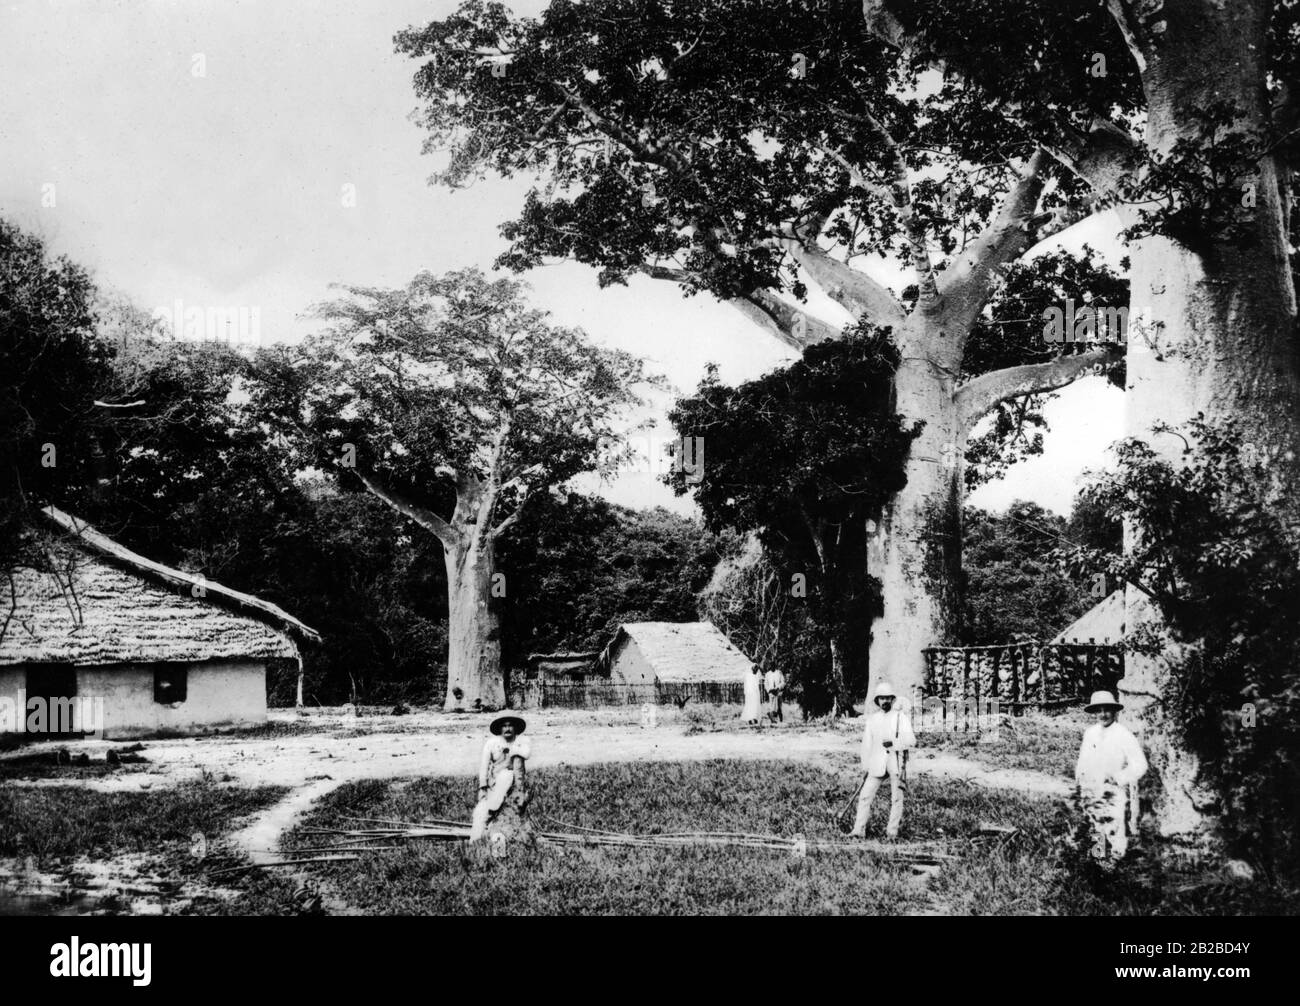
(169, 684)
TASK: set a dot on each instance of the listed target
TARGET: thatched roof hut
(672, 653)
(99, 619)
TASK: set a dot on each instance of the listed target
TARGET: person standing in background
(753, 697)
(774, 682)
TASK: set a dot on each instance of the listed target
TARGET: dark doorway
(56, 686)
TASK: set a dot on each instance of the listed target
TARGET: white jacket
(497, 754)
(1109, 755)
(882, 726)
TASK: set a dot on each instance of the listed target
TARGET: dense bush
(1223, 567)
(576, 566)
(1013, 588)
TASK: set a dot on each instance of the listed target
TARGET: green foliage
(183, 470)
(693, 141)
(345, 564)
(1198, 193)
(698, 136)
(1033, 61)
(805, 456)
(578, 566)
(702, 101)
(1224, 570)
(51, 369)
(453, 379)
(1014, 589)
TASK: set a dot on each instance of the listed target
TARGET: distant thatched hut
(663, 653)
(1102, 624)
(140, 646)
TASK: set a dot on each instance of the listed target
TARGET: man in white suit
(1110, 763)
(885, 740)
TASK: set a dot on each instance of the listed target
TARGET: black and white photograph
(584, 458)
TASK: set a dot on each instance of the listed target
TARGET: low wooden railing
(1023, 674)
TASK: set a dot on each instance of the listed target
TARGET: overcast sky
(227, 189)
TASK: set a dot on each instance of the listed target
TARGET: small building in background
(570, 667)
(1100, 625)
(672, 653)
(138, 646)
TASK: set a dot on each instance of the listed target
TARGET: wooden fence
(596, 694)
(1022, 674)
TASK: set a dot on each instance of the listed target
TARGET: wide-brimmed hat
(499, 723)
(884, 688)
(1100, 701)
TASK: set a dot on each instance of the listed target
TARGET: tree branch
(969, 281)
(775, 316)
(783, 319)
(423, 516)
(1119, 13)
(501, 528)
(855, 291)
(1102, 156)
(900, 191)
(978, 396)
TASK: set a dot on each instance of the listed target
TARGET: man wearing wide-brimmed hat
(886, 739)
(501, 770)
(1110, 761)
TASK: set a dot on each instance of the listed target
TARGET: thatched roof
(100, 603)
(1102, 623)
(681, 651)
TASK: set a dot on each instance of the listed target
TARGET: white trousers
(491, 803)
(869, 788)
(1105, 806)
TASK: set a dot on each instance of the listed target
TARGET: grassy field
(51, 822)
(1038, 742)
(1034, 872)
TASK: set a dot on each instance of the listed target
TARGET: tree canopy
(451, 379)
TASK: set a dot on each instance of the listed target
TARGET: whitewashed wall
(221, 693)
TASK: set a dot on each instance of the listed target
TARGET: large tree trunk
(915, 549)
(474, 677)
(842, 702)
(1220, 335)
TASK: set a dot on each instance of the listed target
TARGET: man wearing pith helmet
(886, 739)
(1110, 761)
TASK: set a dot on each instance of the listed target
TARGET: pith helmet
(1100, 701)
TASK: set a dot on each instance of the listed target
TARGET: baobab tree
(455, 403)
(1184, 115)
(748, 149)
